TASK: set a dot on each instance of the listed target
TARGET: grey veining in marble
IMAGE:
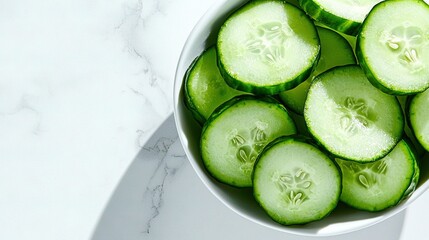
(139, 196)
(83, 86)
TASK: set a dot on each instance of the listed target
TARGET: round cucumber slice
(381, 184)
(393, 46)
(345, 16)
(416, 177)
(351, 118)
(295, 183)
(335, 51)
(205, 88)
(236, 133)
(419, 118)
(267, 47)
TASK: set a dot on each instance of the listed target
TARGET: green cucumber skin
(265, 90)
(219, 110)
(407, 192)
(295, 137)
(408, 105)
(233, 100)
(335, 22)
(192, 105)
(371, 77)
(333, 155)
(297, 108)
(304, 139)
(310, 141)
(188, 99)
(419, 150)
(381, 155)
(225, 106)
(416, 177)
(367, 69)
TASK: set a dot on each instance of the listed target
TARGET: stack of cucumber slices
(290, 109)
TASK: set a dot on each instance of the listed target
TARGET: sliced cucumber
(393, 46)
(205, 88)
(236, 133)
(267, 47)
(405, 101)
(381, 184)
(335, 51)
(294, 2)
(295, 183)
(416, 177)
(419, 117)
(345, 16)
(351, 118)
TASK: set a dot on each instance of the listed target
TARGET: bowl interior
(342, 220)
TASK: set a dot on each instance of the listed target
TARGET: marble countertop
(88, 146)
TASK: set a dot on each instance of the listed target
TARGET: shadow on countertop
(138, 198)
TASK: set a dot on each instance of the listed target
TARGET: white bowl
(241, 201)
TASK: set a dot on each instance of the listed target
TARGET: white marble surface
(83, 86)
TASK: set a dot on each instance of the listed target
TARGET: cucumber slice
(295, 183)
(267, 47)
(335, 51)
(419, 117)
(393, 46)
(205, 88)
(351, 118)
(236, 133)
(295, 2)
(345, 16)
(381, 184)
(418, 149)
(416, 177)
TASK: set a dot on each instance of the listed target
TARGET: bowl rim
(178, 80)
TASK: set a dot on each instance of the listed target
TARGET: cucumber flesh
(418, 149)
(416, 177)
(205, 88)
(393, 47)
(351, 118)
(295, 183)
(419, 118)
(236, 133)
(345, 16)
(335, 51)
(275, 49)
(381, 184)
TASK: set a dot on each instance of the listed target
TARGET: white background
(83, 85)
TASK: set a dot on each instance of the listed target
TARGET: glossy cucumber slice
(335, 51)
(237, 132)
(381, 184)
(393, 46)
(267, 47)
(295, 182)
(345, 16)
(409, 135)
(419, 117)
(351, 118)
(205, 88)
(416, 177)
